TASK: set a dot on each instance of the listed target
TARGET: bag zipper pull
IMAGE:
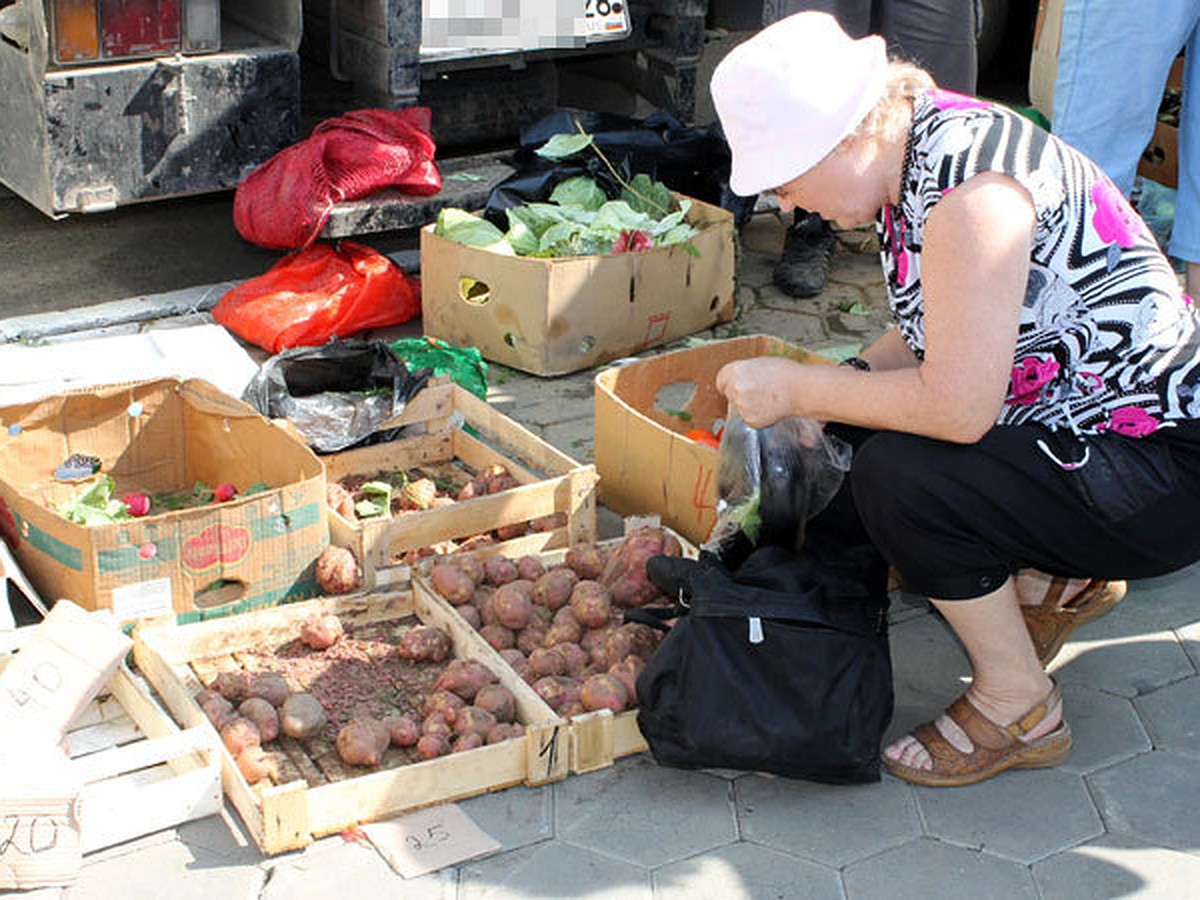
(756, 632)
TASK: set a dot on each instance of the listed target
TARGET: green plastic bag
(464, 365)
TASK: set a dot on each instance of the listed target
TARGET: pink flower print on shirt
(895, 231)
(1114, 219)
(1029, 376)
(1187, 300)
(1130, 421)
(943, 99)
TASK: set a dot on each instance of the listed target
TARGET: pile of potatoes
(560, 627)
(467, 708)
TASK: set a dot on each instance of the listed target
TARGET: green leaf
(94, 505)
(537, 217)
(367, 509)
(578, 191)
(257, 488)
(678, 235)
(617, 216)
(644, 194)
(522, 239)
(559, 232)
(560, 146)
(202, 493)
(682, 414)
(377, 488)
(462, 227)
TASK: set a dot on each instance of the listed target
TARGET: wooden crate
(596, 738)
(141, 772)
(289, 815)
(550, 482)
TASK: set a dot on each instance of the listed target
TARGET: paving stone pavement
(1117, 820)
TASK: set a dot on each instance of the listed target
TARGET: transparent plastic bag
(771, 481)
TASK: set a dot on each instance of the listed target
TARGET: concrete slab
(150, 871)
(1154, 797)
(794, 816)
(643, 813)
(1169, 714)
(1106, 729)
(516, 818)
(1113, 866)
(1109, 659)
(333, 867)
(746, 870)
(932, 870)
(554, 869)
(1023, 816)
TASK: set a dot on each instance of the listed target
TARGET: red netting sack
(285, 202)
(318, 293)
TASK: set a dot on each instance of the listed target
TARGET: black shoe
(804, 266)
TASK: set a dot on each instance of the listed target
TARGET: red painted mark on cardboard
(704, 509)
(8, 527)
(656, 329)
(216, 544)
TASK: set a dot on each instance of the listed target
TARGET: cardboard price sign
(429, 839)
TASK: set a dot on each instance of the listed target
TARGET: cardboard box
(319, 795)
(41, 810)
(162, 436)
(643, 411)
(552, 316)
(550, 482)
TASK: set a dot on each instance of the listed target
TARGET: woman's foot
(1054, 607)
(978, 737)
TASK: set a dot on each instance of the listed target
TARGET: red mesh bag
(318, 293)
(285, 202)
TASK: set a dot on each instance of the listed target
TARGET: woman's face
(844, 187)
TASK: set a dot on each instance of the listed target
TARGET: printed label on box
(142, 600)
(216, 544)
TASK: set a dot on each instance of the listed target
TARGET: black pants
(938, 35)
(956, 520)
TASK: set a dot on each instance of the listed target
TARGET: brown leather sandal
(996, 747)
(1050, 625)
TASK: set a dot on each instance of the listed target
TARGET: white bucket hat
(787, 96)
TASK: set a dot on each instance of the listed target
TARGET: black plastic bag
(691, 160)
(782, 666)
(337, 394)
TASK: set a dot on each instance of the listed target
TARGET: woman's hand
(763, 390)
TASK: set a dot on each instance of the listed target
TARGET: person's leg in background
(937, 35)
(1185, 235)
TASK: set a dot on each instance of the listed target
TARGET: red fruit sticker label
(216, 544)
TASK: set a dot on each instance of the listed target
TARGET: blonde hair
(888, 119)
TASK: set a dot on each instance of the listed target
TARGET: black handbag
(780, 666)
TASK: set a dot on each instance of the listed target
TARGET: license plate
(605, 20)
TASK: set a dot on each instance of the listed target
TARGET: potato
(240, 733)
(554, 588)
(443, 702)
(577, 658)
(548, 661)
(471, 616)
(362, 740)
(557, 690)
(263, 715)
(628, 670)
(233, 686)
(594, 640)
(625, 571)
(512, 656)
(585, 560)
(469, 740)
(591, 604)
(499, 570)
(302, 716)
(568, 710)
(503, 731)
(498, 701)
(530, 568)
(472, 565)
(512, 607)
(341, 501)
(604, 692)
(255, 764)
(404, 731)
(217, 709)
(424, 642)
(498, 636)
(319, 632)
(431, 746)
(438, 723)
(531, 638)
(207, 695)
(338, 571)
(473, 719)
(270, 686)
(482, 596)
(563, 633)
(452, 582)
(548, 522)
(465, 677)
(543, 617)
(513, 530)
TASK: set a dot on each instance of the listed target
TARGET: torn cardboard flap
(60, 669)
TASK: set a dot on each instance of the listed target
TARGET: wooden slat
(404, 453)
(479, 455)
(302, 761)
